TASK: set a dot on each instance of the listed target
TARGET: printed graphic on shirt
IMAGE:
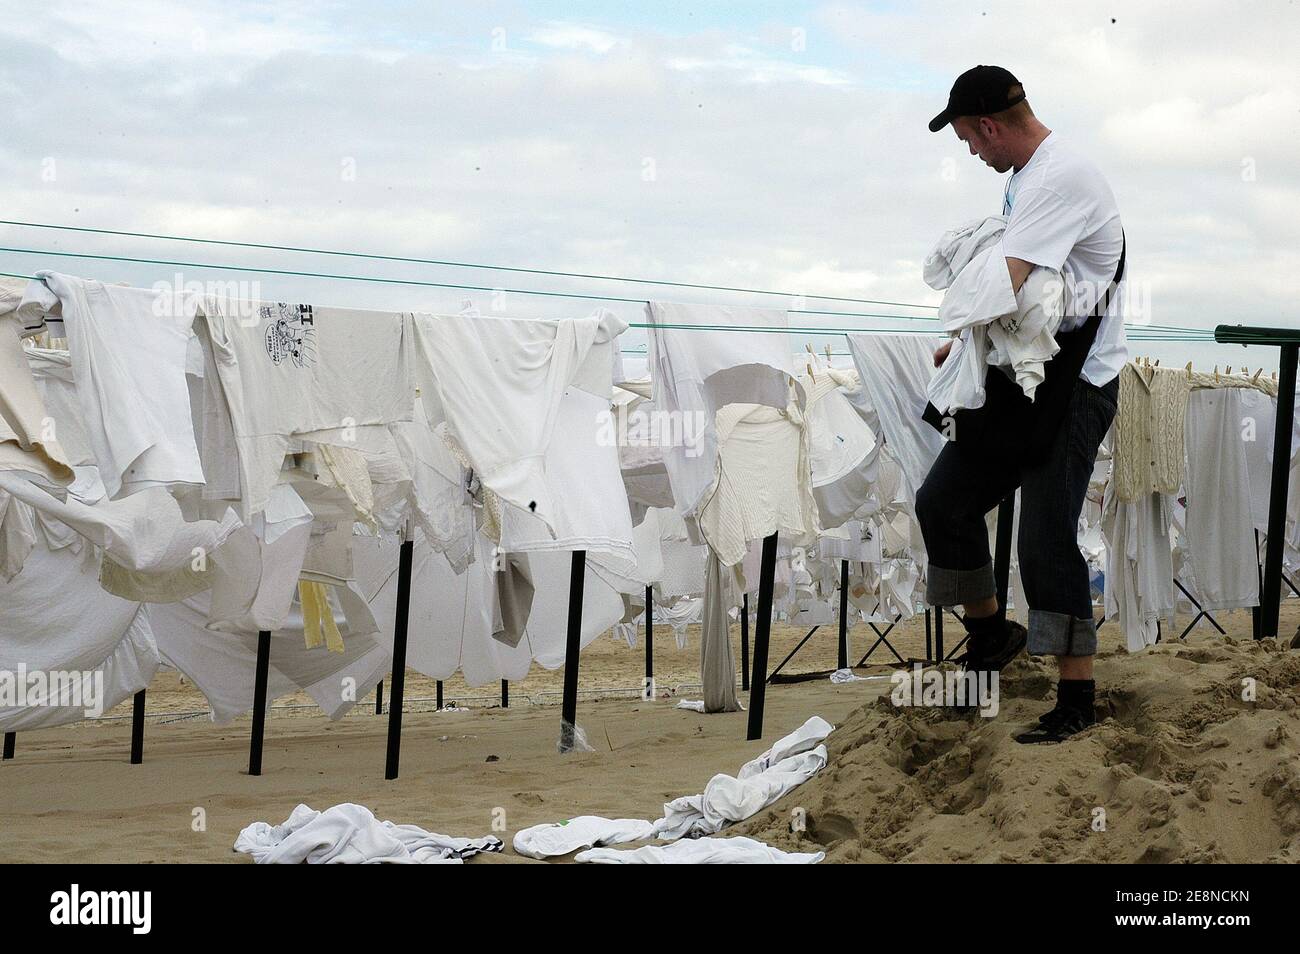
(290, 333)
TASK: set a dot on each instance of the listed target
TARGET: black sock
(1076, 694)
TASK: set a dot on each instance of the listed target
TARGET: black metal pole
(379, 697)
(744, 642)
(505, 693)
(569, 704)
(137, 728)
(843, 662)
(11, 738)
(1002, 553)
(762, 628)
(1254, 610)
(649, 640)
(938, 634)
(401, 622)
(1271, 597)
(437, 693)
(259, 702)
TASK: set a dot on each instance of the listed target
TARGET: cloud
(571, 36)
(727, 153)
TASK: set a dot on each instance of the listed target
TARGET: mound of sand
(1180, 767)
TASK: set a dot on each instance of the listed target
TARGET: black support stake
(437, 693)
(1002, 552)
(649, 640)
(400, 624)
(762, 628)
(137, 728)
(843, 662)
(929, 645)
(379, 697)
(569, 705)
(259, 702)
(505, 693)
(744, 642)
(938, 634)
(1271, 598)
(11, 738)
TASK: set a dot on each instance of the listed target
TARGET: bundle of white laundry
(993, 324)
(351, 834)
(761, 782)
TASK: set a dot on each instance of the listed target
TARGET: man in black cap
(1061, 215)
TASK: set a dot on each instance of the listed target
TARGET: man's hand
(941, 354)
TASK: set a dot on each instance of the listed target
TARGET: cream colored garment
(763, 481)
(1149, 431)
(27, 436)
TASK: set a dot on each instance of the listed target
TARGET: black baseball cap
(980, 91)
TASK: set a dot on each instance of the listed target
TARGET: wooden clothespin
(1189, 370)
(1157, 362)
(828, 354)
(1255, 378)
(1216, 374)
(1229, 371)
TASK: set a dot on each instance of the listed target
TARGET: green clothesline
(1172, 334)
(506, 268)
(452, 264)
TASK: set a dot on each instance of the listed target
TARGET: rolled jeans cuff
(945, 587)
(1060, 634)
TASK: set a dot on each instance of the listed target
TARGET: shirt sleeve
(1043, 228)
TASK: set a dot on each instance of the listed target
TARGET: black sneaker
(1057, 726)
(992, 651)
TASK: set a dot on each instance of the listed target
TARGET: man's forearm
(1019, 270)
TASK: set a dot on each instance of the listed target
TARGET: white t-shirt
(1062, 215)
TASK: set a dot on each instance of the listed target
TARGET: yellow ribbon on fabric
(318, 626)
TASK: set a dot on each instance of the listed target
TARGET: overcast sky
(768, 145)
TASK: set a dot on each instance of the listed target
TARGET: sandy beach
(1183, 769)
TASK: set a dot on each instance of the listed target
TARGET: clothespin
(1157, 362)
(1189, 370)
(1229, 371)
(1216, 374)
(828, 354)
(1255, 378)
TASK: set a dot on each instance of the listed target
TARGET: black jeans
(964, 485)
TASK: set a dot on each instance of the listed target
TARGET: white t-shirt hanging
(128, 348)
(1062, 215)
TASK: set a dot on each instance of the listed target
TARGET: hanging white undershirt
(128, 348)
(696, 373)
(331, 375)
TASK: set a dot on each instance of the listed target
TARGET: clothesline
(1142, 332)
(453, 264)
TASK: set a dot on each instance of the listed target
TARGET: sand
(1183, 769)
